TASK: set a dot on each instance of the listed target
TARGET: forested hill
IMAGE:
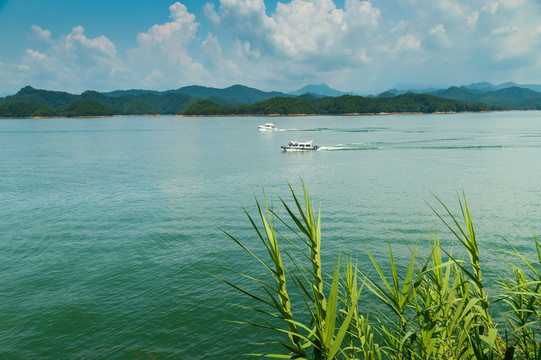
(346, 104)
(236, 94)
(30, 102)
(509, 98)
(239, 100)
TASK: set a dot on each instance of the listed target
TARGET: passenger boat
(267, 127)
(299, 146)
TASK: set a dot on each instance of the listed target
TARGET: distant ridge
(460, 93)
(133, 92)
(320, 90)
(486, 86)
(386, 94)
(233, 95)
(479, 87)
(507, 98)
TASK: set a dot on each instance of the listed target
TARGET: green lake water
(110, 227)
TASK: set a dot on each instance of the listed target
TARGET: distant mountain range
(513, 97)
(482, 87)
(236, 94)
(500, 97)
(320, 90)
(35, 102)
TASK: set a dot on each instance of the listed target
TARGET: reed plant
(436, 306)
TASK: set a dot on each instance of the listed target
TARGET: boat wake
(350, 147)
(310, 129)
(359, 130)
(421, 145)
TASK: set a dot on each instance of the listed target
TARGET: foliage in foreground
(435, 307)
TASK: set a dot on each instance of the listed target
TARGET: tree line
(346, 104)
(30, 102)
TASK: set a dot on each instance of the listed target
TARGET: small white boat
(267, 127)
(299, 146)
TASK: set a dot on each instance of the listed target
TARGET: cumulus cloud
(40, 66)
(298, 38)
(173, 35)
(471, 38)
(95, 52)
(35, 55)
(317, 41)
(408, 43)
(471, 19)
(402, 24)
(249, 24)
(211, 14)
(300, 28)
(512, 4)
(74, 60)
(215, 62)
(491, 8)
(511, 37)
(504, 30)
(166, 47)
(440, 35)
(40, 34)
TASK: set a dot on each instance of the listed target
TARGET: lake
(110, 227)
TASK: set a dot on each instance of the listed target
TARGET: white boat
(299, 146)
(267, 127)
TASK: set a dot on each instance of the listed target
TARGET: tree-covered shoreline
(343, 105)
(243, 101)
(41, 103)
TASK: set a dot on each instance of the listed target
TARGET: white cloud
(440, 34)
(451, 7)
(247, 21)
(454, 14)
(408, 43)
(86, 60)
(491, 8)
(215, 63)
(176, 33)
(402, 24)
(512, 4)
(362, 13)
(504, 30)
(510, 33)
(72, 61)
(303, 29)
(313, 33)
(97, 51)
(40, 34)
(471, 20)
(35, 55)
(155, 78)
(211, 14)
(166, 48)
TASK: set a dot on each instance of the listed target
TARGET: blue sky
(352, 45)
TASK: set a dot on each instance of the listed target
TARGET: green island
(242, 100)
(436, 305)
